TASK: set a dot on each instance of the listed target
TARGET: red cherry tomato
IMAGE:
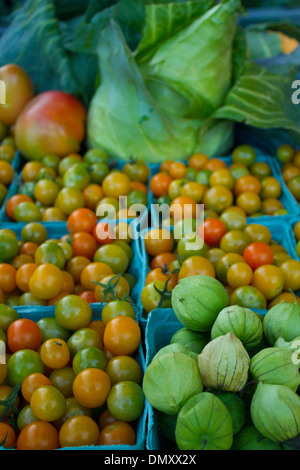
(257, 254)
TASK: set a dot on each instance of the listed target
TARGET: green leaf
(260, 99)
(164, 20)
(124, 119)
(263, 43)
(199, 56)
(33, 41)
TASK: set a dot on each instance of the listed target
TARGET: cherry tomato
(39, 435)
(63, 379)
(126, 401)
(156, 295)
(73, 408)
(81, 220)
(7, 435)
(158, 241)
(91, 387)
(121, 368)
(47, 403)
(122, 336)
(116, 184)
(73, 313)
(159, 184)
(23, 334)
(196, 265)
(239, 274)
(31, 383)
(214, 229)
(248, 297)
(55, 353)
(112, 287)
(269, 280)
(46, 281)
(83, 338)
(257, 254)
(23, 363)
(79, 431)
(117, 433)
(117, 308)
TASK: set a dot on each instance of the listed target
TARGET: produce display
(248, 183)
(248, 259)
(72, 378)
(224, 377)
(149, 225)
(38, 270)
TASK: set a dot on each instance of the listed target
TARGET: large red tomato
(51, 123)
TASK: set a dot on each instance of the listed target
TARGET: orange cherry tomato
(23, 275)
(269, 280)
(159, 184)
(158, 241)
(158, 274)
(81, 220)
(84, 244)
(196, 265)
(163, 260)
(94, 272)
(122, 336)
(39, 435)
(117, 433)
(197, 161)
(7, 435)
(7, 278)
(32, 382)
(91, 387)
(89, 296)
(46, 281)
(247, 184)
(177, 170)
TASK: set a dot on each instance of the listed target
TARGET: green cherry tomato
(34, 232)
(63, 379)
(84, 338)
(117, 308)
(285, 153)
(7, 316)
(25, 417)
(27, 212)
(244, 154)
(191, 245)
(66, 163)
(72, 312)
(50, 253)
(88, 358)
(9, 246)
(234, 241)
(151, 298)
(27, 189)
(248, 297)
(50, 328)
(77, 176)
(51, 161)
(121, 368)
(73, 408)
(136, 197)
(114, 256)
(203, 177)
(23, 363)
(29, 299)
(234, 220)
(125, 401)
(298, 249)
(95, 155)
(98, 171)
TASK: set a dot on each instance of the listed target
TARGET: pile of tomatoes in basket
(245, 183)
(256, 271)
(51, 189)
(37, 270)
(70, 379)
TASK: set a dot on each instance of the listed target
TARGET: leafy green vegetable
(156, 105)
(33, 41)
(258, 99)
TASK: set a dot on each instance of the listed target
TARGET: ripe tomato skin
(46, 281)
(213, 229)
(81, 220)
(55, 353)
(78, 431)
(39, 435)
(257, 254)
(122, 336)
(159, 184)
(7, 435)
(117, 433)
(91, 387)
(23, 334)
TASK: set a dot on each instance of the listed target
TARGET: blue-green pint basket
(37, 313)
